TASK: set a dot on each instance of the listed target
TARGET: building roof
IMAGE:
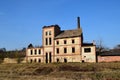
(35, 47)
(69, 33)
(88, 44)
(110, 54)
(51, 26)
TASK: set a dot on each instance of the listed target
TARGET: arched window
(65, 60)
(35, 51)
(65, 41)
(73, 49)
(35, 60)
(65, 50)
(39, 51)
(31, 60)
(73, 41)
(57, 60)
(31, 52)
(50, 41)
(57, 42)
(57, 50)
(39, 60)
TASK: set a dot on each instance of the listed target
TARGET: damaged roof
(69, 33)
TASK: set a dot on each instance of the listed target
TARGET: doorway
(48, 57)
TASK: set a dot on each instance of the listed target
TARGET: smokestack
(78, 22)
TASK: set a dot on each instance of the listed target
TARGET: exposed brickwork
(61, 46)
(108, 58)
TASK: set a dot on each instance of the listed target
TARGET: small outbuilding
(109, 57)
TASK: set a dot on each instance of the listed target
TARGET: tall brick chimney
(78, 22)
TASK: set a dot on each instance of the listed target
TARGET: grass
(61, 71)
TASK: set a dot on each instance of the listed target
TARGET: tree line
(18, 54)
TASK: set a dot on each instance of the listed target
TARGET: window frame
(39, 60)
(87, 50)
(35, 60)
(39, 51)
(73, 41)
(57, 50)
(35, 51)
(57, 42)
(65, 41)
(31, 60)
(73, 49)
(46, 33)
(65, 50)
(50, 41)
(57, 60)
(46, 41)
(50, 33)
(65, 60)
(31, 52)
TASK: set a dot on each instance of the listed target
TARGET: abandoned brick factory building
(62, 46)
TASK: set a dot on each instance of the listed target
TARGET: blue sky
(21, 21)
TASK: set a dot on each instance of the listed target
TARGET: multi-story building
(62, 46)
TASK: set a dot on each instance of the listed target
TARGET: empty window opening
(65, 60)
(65, 50)
(46, 58)
(31, 60)
(35, 60)
(50, 57)
(39, 51)
(87, 50)
(57, 42)
(35, 51)
(46, 33)
(46, 41)
(49, 32)
(50, 41)
(39, 60)
(57, 60)
(65, 41)
(57, 50)
(31, 52)
(73, 49)
(83, 61)
(73, 41)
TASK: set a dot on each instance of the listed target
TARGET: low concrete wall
(108, 58)
(13, 60)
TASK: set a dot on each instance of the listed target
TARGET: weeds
(68, 71)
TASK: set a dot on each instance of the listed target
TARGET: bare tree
(100, 47)
(2, 49)
(117, 46)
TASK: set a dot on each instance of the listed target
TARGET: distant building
(109, 57)
(62, 46)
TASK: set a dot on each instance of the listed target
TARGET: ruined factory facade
(62, 46)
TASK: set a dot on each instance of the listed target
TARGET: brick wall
(108, 58)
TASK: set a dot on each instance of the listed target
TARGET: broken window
(31, 52)
(50, 41)
(65, 50)
(73, 49)
(87, 50)
(65, 41)
(57, 50)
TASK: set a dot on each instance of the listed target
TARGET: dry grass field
(61, 71)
